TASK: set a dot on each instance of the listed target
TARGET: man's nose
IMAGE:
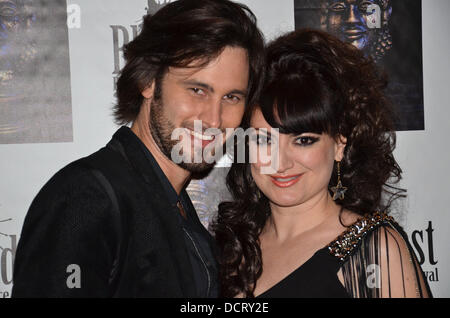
(211, 114)
(353, 15)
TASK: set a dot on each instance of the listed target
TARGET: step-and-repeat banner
(59, 61)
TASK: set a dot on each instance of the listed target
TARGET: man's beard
(161, 129)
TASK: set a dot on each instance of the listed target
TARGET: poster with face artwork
(389, 31)
(35, 93)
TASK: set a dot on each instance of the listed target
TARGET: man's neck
(177, 176)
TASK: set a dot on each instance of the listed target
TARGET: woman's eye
(306, 141)
(261, 140)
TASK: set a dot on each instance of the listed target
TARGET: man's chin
(197, 168)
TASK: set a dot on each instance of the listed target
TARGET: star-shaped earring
(339, 189)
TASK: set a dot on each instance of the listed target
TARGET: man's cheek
(232, 118)
(177, 110)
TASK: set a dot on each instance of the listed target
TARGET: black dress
(374, 257)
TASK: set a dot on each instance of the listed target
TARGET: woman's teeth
(286, 179)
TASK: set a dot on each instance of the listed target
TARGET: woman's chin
(285, 201)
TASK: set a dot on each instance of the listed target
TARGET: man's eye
(306, 141)
(197, 91)
(232, 99)
(337, 7)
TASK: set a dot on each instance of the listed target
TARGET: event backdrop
(35, 98)
(390, 32)
(55, 109)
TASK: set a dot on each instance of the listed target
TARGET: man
(119, 222)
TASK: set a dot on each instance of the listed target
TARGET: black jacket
(106, 214)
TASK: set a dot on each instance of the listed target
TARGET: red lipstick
(285, 181)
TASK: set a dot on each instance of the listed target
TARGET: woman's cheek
(256, 174)
(260, 156)
(317, 158)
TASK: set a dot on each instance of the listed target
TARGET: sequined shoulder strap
(347, 242)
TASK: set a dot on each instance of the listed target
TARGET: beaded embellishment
(349, 240)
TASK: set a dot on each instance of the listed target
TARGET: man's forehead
(183, 73)
(205, 73)
(193, 67)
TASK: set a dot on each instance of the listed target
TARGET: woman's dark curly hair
(315, 83)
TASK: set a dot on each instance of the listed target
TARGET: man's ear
(341, 142)
(148, 91)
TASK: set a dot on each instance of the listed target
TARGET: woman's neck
(288, 222)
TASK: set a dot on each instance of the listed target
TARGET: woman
(318, 226)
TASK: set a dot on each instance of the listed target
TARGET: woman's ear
(148, 91)
(341, 142)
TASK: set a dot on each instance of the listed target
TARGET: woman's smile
(285, 181)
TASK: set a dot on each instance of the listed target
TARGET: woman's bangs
(296, 108)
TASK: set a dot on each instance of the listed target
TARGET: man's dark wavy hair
(180, 33)
(315, 83)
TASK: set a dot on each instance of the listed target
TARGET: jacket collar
(129, 145)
